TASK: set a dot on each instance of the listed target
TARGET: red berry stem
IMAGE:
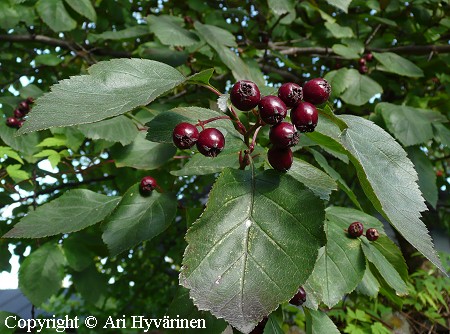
(212, 89)
(241, 127)
(202, 123)
(255, 134)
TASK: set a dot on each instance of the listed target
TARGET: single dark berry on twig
(210, 142)
(245, 95)
(18, 113)
(280, 159)
(291, 94)
(272, 109)
(185, 135)
(305, 117)
(316, 91)
(355, 229)
(13, 122)
(147, 185)
(24, 106)
(283, 135)
(372, 234)
(299, 298)
(363, 69)
(368, 56)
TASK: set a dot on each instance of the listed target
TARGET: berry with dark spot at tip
(305, 117)
(185, 135)
(245, 95)
(368, 56)
(363, 69)
(355, 229)
(13, 122)
(299, 298)
(210, 142)
(272, 109)
(280, 159)
(291, 94)
(283, 135)
(147, 185)
(18, 113)
(24, 106)
(372, 234)
(316, 91)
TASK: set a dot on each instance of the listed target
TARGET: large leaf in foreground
(318, 322)
(254, 245)
(111, 88)
(73, 211)
(389, 180)
(138, 218)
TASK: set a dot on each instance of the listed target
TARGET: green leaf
(10, 153)
(345, 51)
(55, 15)
(77, 253)
(340, 4)
(92, 285)
(442, 134)
(131, 32)
(359, 89)
(16, 173)
(137, 219)
(340, 265)
(389, 180)
(272, 326)
(318, 322)
(52, 155)
(8, 16)
(169, 31)
(84, 207)
(112, 88)
(320, 183)
(411, 126)
(394, 63)
(183, 307)
(10, 322)
(426, 173)
(369, 285)
(41, 273)
(26, 145)
(384, 267)
(48, 59)
(393, 254)
(201, 78)
(157, 51)
(328, 113)
(84, 8)
(283, 7)
(251, 222)
(57, 140)
(201, 165)
(117, 129)
(339, 31)
(143, 154)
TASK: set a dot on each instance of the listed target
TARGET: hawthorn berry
(368, 56)
(147, 185)
(363, 69)
(30, 100)
(362, 61)
(18, 113)
(272, 109)
(185, 135)
(210, 142)
(316, 91)
(13, 122)
(24, 106)
(305, 117)
(291, 94)
(299, 298)
(283, 135)
(355, 229)
(280, 159)
(245, 95)
(372, 234)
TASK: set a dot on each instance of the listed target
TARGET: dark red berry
(147, 185)
(283, 135)
(272, 109)
(245, 95)
(18, 113)
(21, 123)
(185, 135)
(299, 298)
(372, 234)
(362, 61)
(291, 94)
(24, 106)
(316, 91)
(280, 159)
(305, 117)
(259, 329)
(355, 229)
(13, 122)
(363, 69)
(210, 142)
(368, 56)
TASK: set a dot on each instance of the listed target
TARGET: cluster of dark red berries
(356, 229)
(19, 113)
(210, 142)
(147, 185)
(245, 96)
(362, 62)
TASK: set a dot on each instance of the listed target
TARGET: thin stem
(252, 145)
(241, 127)
(131, 116)
(212, 89)
(202, 123)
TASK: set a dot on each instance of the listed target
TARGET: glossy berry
(291, 94)
(280, 158)
(362, 61)
(272, 109)
(147, 185)
(355, 229)
(185, 135)
(210, 142)
(316, 91)
(372, 234)
(305, 117)
(24, 106)
(13, 122)
(299, 298)
(245, 95)
(283, 135)
(368, 56)
(18, 113)
(363, 69)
